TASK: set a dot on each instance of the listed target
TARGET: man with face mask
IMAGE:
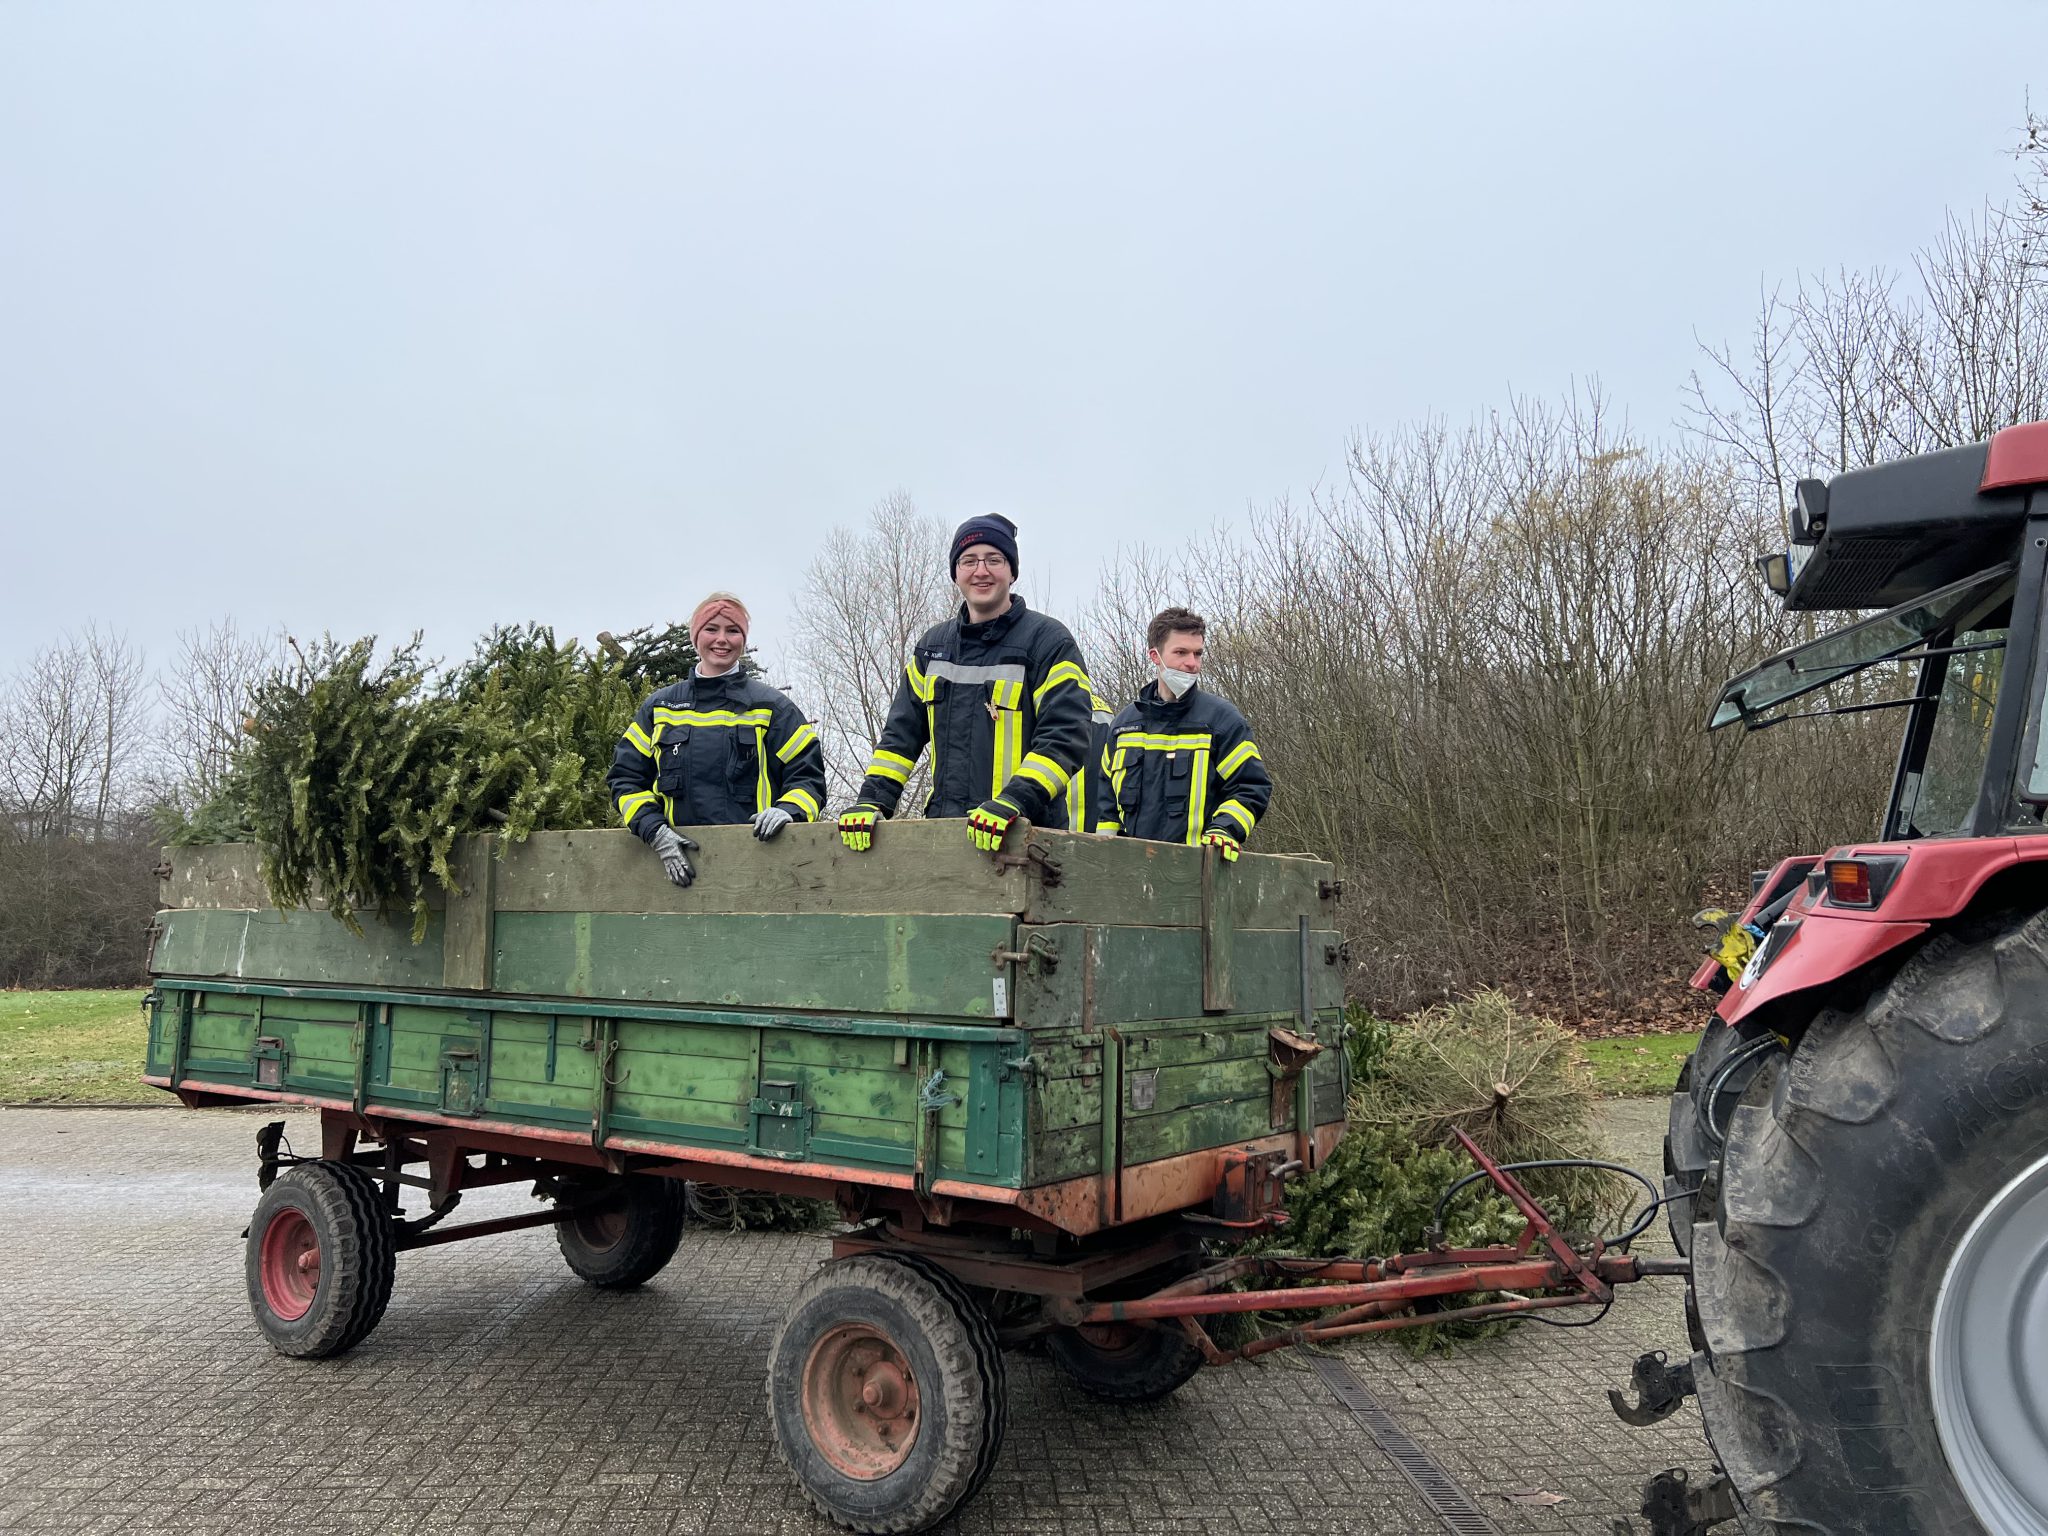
(998, 693)
(1179, 765)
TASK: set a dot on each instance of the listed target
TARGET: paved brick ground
(500, 1396)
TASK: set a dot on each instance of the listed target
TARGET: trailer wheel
(1872, 1277)
(320, 1260)
(1126, 1362)
(886, 1393)
(628, 1236)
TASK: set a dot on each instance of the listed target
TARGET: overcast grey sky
(383, 317)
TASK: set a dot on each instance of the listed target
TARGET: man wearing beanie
(1179, 764)
(1000, 695)
(719, 747)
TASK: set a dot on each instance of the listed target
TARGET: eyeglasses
(982, 562)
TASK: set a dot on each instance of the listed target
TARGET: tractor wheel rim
(860, 1401)
(1989, 1359)
(289, 1263)
(602, 1228)
(1113, 1341)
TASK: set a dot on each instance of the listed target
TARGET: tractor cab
(1857, 1161)
(1952, 546)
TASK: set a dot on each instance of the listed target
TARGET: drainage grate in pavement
(1450, 1503)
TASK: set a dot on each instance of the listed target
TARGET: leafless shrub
(863, 602)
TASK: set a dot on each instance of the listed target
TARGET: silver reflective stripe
(955, 672)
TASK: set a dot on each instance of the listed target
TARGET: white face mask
(1173, 684)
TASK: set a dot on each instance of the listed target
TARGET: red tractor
(1857, 1162)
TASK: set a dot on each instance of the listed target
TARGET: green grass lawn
(1637, 1066)
(73, 1048)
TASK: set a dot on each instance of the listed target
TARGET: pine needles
(357, 777)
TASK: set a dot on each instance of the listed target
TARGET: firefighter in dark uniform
(719, 747)
(998, 693)
(1178, 764)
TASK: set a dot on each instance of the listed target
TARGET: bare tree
(205, 696)
(863, 602)
(73, 737)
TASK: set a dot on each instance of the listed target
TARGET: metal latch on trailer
(782, 1120)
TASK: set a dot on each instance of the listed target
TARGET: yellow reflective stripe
(998, 774)
(1042, 770)
(642, 742)
(668, 810)
(888, 770)
(666, 716)
(921, 684)
(764, 792)
(1108, 828)
(1198, 794)
(632, 805)
(1063, 672)
(1007, 695)
(799, 738)
(1237, 813)
(1241, 754)
(1197, 742)
(804, 801)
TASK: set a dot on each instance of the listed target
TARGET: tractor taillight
(1849, 883)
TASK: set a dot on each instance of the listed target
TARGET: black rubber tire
(628, 1235)
(358, 1258)
(1849, 1176)
(1689, 1147)
(951, 1349)
(1144, 1366)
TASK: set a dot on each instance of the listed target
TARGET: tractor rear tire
(1126, 1362)
(321, 1260)
(627, 1234)
(886, 1393)
(1871, 1256)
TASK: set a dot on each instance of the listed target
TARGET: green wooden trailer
(1050, 1073)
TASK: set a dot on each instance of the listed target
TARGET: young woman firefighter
(717, 748)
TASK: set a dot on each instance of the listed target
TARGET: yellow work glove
(988, 821)
(857, 825)
(1216, 837)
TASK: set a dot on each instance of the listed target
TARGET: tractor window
(1842, 653)
(1939, 798)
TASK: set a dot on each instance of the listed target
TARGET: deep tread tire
(1147, 1365)
(950, 1346)
(1689, 1150)
(344, 1208)
(1849, 1176)
(629, 1238)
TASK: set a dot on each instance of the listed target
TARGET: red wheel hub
(290, 1264)
(860, 1401)
(601, 1229)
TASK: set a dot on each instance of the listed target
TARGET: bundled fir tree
(356, 777)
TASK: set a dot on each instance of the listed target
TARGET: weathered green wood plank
(1145, 974)
(1065, 1102)
(466, 932)
(871, 964)
(1067, 1154)
(1150, 1137)
(915, 866)
(1174, 1088)
(301, 946)
(1220, 1041)
(1130, 880)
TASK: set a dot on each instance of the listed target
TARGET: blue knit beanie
(992, 529)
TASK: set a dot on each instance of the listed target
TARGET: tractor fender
(1937, 882)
